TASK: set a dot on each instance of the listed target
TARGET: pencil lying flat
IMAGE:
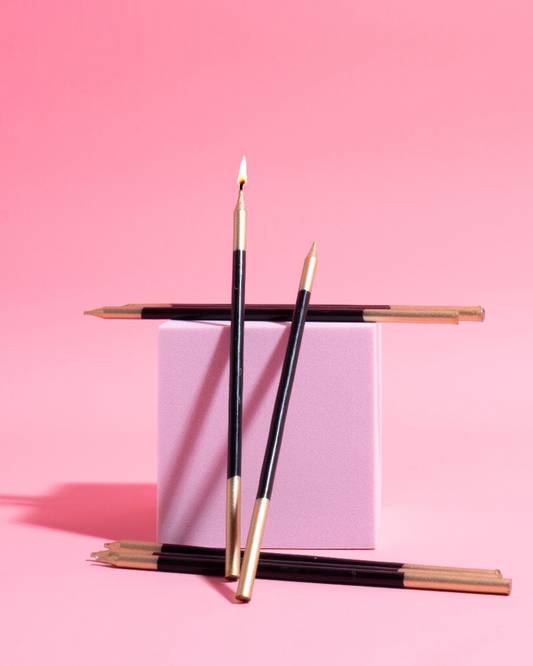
(275, 435)
(168, 548)
(409, 314)
(305, 572)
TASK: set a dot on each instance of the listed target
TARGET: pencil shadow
(224, 587)
(111, 511)
(252, 403)
(189, 437)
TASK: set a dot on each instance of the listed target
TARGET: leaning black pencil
(279, 414)
(169, 549)
(233, 483)
(310, 573)
(399, 314)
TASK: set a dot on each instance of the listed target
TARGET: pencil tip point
(99, 312)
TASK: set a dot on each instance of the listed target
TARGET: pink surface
(398, 135)
(327, 490)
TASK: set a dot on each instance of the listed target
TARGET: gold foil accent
(253, 549)
(309, 270)
(458, 583)
(447, 571)
(131, 560)
(233, 528)
(412, 316)
(134, 545)
(239, 224)
(466, 312)
(116, 312)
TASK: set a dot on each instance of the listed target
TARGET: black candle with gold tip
(213, 565)
(171, 548)
(279, 414)
(395, 314)
(233, 484)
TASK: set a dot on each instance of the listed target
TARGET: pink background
(398, 135)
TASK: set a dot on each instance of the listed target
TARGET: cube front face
(327, 490)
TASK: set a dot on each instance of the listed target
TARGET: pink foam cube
(328, 482)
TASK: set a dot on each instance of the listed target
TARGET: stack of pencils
(304, 568)
(231, 562)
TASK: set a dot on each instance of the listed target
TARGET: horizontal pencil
(408, 314)
(168, 548)
(214, 565)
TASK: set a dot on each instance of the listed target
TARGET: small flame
(242, 172)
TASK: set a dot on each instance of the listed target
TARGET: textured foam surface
(327, 488)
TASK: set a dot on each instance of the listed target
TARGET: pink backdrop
(398, 135)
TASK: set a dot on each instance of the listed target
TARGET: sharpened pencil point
(104, 556)
(95, 313)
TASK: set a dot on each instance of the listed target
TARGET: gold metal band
(253, 549)
(487, 585)
(466, 312)
(450, 571)
(412, 316)
(233, 528)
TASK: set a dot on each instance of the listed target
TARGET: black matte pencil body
(169, 549)
(235, 399)
(277, 424)
(425, 314)
(310, 573)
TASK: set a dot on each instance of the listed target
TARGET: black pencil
(409, 314)
(268, 471)
(169, 549)
(233, 483)
(213, 565)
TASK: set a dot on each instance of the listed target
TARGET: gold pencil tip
(101, 555)
(312, 251)
(95, 313)
(242, 173)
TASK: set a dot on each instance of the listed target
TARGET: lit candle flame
(242, 172)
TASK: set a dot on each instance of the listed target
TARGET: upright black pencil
(233, 483)
(277, 424)
(308, 572)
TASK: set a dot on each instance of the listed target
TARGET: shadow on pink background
(105, 510)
